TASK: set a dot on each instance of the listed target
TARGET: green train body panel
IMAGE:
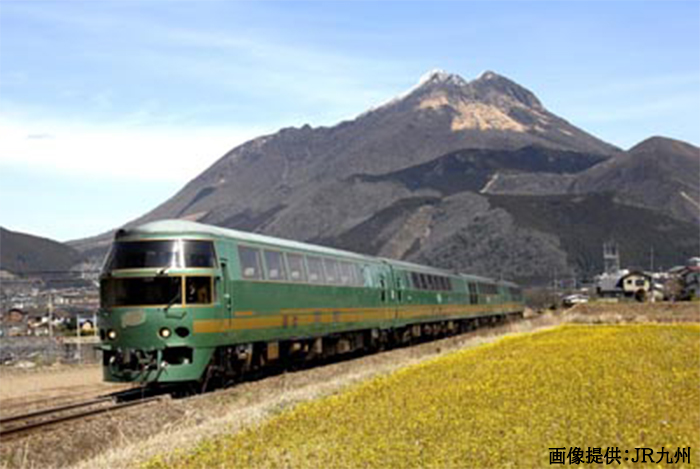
(240, 310)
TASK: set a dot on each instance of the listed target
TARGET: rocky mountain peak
(489, 102)
(440, 77)
(489, 88)
(495, 88)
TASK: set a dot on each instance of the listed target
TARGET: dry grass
(27, 390)
(607, 313)
(499, 405)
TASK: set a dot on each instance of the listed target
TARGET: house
(86, 325)
(14, 322)
(636, 284)
(691, 283)
(687, 279)
(625, 284)
(15, 316)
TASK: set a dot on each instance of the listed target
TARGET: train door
(400, 287)
(225, 290)
(384, 288)
(391, 289)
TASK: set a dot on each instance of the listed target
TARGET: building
(624, 283)
(687, 279)
(636, 284)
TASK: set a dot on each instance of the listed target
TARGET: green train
(187, 302)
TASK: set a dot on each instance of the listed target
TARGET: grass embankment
(499, 405)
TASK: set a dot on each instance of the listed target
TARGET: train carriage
(183, 301)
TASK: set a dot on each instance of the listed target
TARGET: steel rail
(65, 418)
(52, 410)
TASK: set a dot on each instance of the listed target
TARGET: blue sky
(107, 108)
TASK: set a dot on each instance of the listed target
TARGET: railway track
(32, 421)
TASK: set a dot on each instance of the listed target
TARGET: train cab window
(199, 254)
(198, 290)
(315, 269)
(331, 269)
(144, 254)
(297, 272)
(275, 265)
(346, 273)
(148, 291)
(250, 263)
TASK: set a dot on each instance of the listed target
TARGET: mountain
(427, 177)
(25, 253)
(659, 173)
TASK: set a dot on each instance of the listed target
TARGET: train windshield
(161, 254)
(148, 291)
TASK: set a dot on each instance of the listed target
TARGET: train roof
(175, 227)
(179, 227)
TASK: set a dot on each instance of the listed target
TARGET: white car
(574, 299)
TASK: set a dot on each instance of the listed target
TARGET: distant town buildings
(677, 284)
(25, 309)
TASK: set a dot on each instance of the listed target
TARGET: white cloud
(128, 153)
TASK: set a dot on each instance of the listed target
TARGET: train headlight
(111, 334)
(164, 332)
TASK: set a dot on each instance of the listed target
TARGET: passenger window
(357, 279)
(448, 283)
(295, 262)
(315, 269)
(331, 268)
(250, 262)
(346, 273)
(360, 275)
(198, 290)
(275, 265)
(473, 296)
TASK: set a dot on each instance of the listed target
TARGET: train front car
(152, 289)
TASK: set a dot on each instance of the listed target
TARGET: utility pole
(50, 308)
(651, 260)
(77, 332)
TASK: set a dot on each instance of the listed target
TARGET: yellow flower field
(499, 405)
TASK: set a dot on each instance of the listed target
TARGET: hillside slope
(25, 253)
